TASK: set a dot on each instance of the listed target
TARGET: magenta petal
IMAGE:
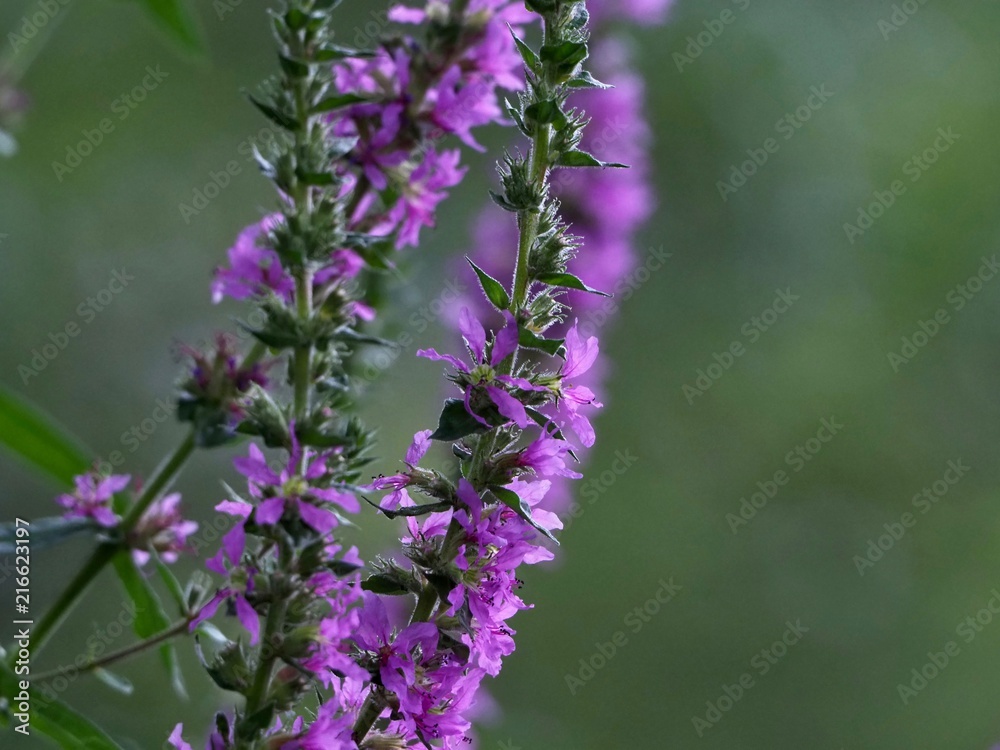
(509, 406)
(473, 333)
(505, 342)
(248, 618)
(468, 495)
(345, 500)
(270, 511)
(432, 355)
(234, 508)
(580, 354)
(176, 740)
(210, 608)
(321, 520)
(418, 448)
(234, 542)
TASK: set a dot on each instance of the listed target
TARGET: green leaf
(59, 722)
(546, 112)
(455, 422)
(413, 510)
(172, 584)
(527, 54)
(45, 532)
(513, 501)
(274, 115)
(38, 439)
(150, 618)
(493, 289)
(567, 281)
(583, 159)
(293, 68)
(385, 585)
(330, 103)
(530, 340)
(175, 18)
(584, 80)
(566, 55)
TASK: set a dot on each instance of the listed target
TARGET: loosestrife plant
(321, 661)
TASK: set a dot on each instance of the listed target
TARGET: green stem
(265, 669)
(164, 475)
(174, 630)
(373, 706)
(101, 556)
(425, 604)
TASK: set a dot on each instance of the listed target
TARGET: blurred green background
(665, 516)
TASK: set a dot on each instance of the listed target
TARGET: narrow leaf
(45, 532)
(583, 159)
(493, 289)
(455, 422)
(175, 18)
(513, 501)
(530, 340)
(567, 281)
(36, 438)
(331, 103)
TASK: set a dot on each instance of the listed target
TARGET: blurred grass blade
(150, 618)
(28, 432)
(59, 722)
(177, 20)
(45, 532)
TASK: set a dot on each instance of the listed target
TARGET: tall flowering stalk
(510, 426)
(358, 173)
(607, 208)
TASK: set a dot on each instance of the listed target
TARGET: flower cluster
(160, 529)
(521, 414)
(391, 110)
(607, 207)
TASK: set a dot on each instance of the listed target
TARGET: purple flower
(93, 497)
(422, 193)
(397, 657)
(482, 376)
(546, 456)
(290, 491)
(162, 529)
(253, 269)
(245, 612)
(580, 357)
(399, 482)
